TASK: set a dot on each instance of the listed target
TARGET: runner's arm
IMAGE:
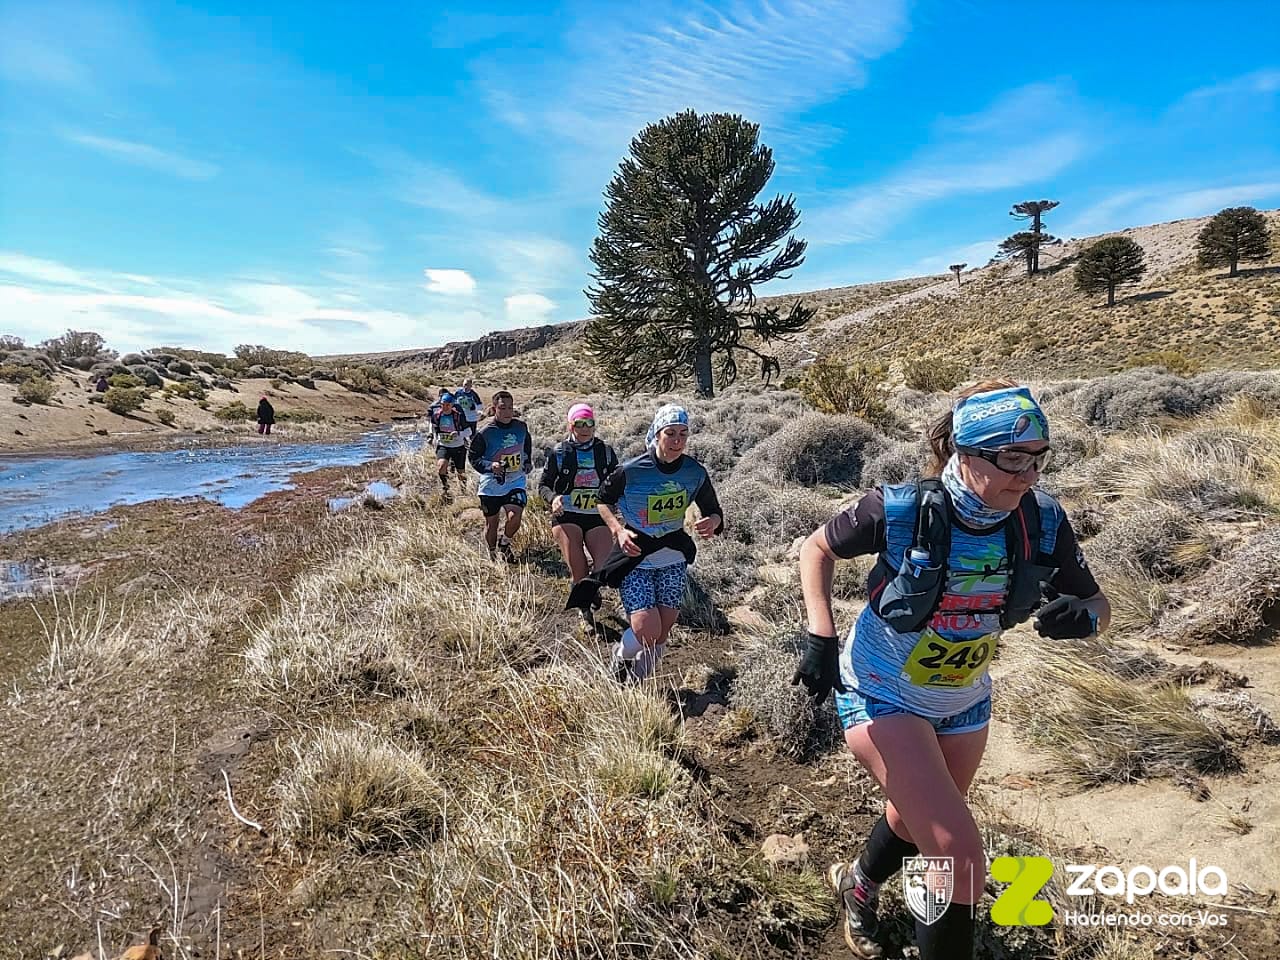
(528, 451)
(709, 504)
(1074, 578)
(856, 530)
(611, 492)
(546, 482)
(475, 453)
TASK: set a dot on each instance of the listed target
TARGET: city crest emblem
(927, 884)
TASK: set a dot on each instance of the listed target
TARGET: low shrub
(934, 373)
(851, 388)
(763, 690)
(299, 416)
(125, 380)
(816, 448)
(233, 411)
(37, 389)
(124, 400)
(1175, 361)
(770, 514)
(166, 416)
(187, 390)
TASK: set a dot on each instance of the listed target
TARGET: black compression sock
(950, 937)
(883, 855)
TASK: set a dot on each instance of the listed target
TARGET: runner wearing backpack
(451, 432)
(570, 484)
(962, 555)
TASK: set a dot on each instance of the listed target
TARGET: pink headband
(581, 411)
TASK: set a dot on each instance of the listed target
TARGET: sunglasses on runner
(583, 424)
(1011, 461)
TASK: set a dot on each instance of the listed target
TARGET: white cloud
(450, 283)
(144, 155)
(52, 297)
(528, 309)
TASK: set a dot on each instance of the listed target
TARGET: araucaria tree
(1234, 234)
(1107, 264)
(956, 268)
(1030, 241)
(683, 244)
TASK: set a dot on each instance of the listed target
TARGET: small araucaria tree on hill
(956, 268)
(1234, 234)
(1107, 264)
(683, 244)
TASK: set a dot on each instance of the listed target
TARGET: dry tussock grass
(1100, 724)
(353, 787)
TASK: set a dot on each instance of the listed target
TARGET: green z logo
(1017, 906)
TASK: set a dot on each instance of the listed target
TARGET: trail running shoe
(505, 551)
(858, 913)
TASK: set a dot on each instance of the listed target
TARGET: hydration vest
(567, 464)
(906, 594)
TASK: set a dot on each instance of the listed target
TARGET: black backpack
(906, 597)
(566, 455)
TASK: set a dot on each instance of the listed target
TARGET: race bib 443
(935, 662)
(666, 507)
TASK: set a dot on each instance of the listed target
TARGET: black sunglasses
(1011, 461)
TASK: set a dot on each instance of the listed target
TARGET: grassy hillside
(1001, 320)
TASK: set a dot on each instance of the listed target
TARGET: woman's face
(584, 428)
(671, 441)
(999, 489)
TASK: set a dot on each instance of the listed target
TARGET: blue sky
(342, 177)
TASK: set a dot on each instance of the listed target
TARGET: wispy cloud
(145, 155)
(1159, 203)
(528, 308)
(1256, 83)
(979, 153)
(767, 60)
(450, 283)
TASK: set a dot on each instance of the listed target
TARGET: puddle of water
(379, 490)
(23, 579)
(36, 491)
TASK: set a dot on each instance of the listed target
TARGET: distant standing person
(102, 385)
(266, 415)
(570, 484)
(502, 453)
(469, 402)
(644, 502)
(451, 433)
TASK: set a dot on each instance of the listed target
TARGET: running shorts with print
(644, 589)
(490, 506)
(457, 457)
(855, 709)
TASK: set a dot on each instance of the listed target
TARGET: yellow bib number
(935, 662)
(665, 507)
(584, 499)
(448, 437)
(512, 462)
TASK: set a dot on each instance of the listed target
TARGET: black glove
(1065, 617)
(819, 668)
